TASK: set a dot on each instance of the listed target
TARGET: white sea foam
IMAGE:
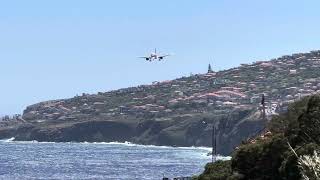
(7, 140)
(12, 140)
(126, 143)
(223, 158)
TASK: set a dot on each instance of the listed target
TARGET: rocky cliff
(180, 112)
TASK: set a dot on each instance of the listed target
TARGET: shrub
(219, 170)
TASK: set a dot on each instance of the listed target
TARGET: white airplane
(154, 56)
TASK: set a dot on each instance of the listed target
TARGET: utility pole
(214, 144)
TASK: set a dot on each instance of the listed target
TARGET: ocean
(34, 160)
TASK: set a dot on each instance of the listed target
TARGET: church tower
(210, 69)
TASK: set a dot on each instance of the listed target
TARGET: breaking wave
(7, 140)
(206, 149)
(126, 143)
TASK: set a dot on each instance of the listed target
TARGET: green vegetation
(219, 170)
(269, 156)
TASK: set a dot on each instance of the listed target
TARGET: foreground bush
(219, 170)
(286, 154)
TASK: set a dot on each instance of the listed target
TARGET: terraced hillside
(180, 112)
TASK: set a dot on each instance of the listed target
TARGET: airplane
(154, 56)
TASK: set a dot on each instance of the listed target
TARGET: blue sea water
(32, 160)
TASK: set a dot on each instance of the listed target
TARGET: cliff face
(195, 130)
(180, 112)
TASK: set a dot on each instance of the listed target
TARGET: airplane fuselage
(155, 56)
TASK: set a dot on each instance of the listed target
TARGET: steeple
(210, 69)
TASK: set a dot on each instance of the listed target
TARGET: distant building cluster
(8, 120)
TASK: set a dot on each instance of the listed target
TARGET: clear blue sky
(59, 48)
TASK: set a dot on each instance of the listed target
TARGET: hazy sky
(59, 48)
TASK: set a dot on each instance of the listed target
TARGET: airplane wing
(161, 57)
(146, 58)
(165, 55)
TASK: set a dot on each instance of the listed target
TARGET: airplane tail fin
(155, 50)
